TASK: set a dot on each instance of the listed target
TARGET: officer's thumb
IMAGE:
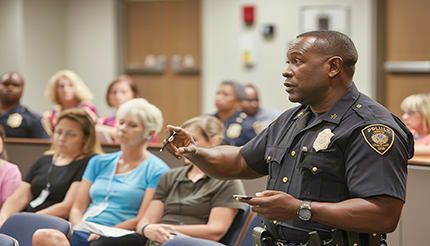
(266, 193)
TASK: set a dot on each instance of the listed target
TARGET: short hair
(210, 126)
(80, 116)
(239, 89)
(3, 153)
(419, 103)
(151, 116)
(13, 73)
(82, 93)
(122, 78)
(335, 43)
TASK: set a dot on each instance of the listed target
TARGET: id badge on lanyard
(97, 209)
(41, 198)
(45, 192)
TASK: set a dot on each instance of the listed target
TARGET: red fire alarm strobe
(248, 14)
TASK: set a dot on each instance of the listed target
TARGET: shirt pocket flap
(275, 154)
(323, 161)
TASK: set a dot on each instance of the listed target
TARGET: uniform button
(374, 234)
(355, 244)
(269, 158)
(265, 226)
(314, 169)
(293, 153)
(274, 222)
(359, 105)
(285, 179)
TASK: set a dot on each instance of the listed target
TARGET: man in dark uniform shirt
(339, 160)
(17, 121)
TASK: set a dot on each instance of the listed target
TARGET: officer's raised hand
(181, 143)
(274, 205)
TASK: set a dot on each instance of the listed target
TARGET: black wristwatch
(304, 211)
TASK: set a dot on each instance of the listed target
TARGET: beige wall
(222, 27)
(47, 35)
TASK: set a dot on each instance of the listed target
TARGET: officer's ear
(335, 66)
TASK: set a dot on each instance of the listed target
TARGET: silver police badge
(379, 137)
(323, 140)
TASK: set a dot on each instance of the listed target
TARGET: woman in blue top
(116, 188)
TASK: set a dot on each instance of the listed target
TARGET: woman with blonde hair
(51, 184)
(186, 200)
(116, 188)
(416, 116)
(67, 90)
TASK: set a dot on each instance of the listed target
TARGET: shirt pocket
(273, 157)
(322, 175)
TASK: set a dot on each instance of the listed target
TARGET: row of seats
(19, 228)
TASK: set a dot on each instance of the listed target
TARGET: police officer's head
(320, 68)
(250, 105)
(332, 43)
(11, 88)
(229, 95)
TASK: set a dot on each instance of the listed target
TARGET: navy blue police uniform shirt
(357, 149)
(239, 129)
(21, 123)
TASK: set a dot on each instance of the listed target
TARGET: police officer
(337, 161)
(17, 120)
(239, 128)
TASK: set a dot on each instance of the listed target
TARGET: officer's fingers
(268, 193)
(173, 151)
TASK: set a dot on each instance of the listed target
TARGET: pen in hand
(170, 139)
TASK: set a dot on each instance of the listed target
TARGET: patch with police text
(379, 137)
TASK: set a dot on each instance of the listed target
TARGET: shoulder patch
(379, 137)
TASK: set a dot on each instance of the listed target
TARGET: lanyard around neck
(48, 182)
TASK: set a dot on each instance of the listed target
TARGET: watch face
(304, 214)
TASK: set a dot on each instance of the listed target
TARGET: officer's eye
(297, 60)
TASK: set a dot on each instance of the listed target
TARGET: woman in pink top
(10, 176)
(416, 116)
(67, 90)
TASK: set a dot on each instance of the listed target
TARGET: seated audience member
(10, 175)
(116, 188)
(67, 90)
(186, 200)
(17, 120)
(238, 127)
(416, 116)
(121, 90)
(50, 185)
(251, 106)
